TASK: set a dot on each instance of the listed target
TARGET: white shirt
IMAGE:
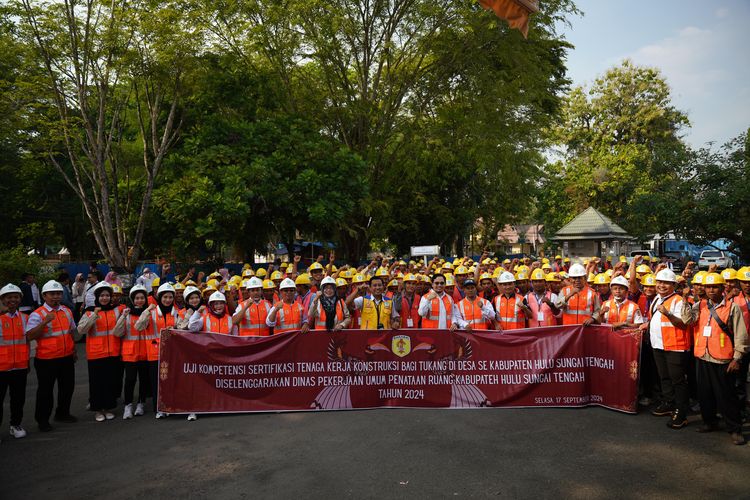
(637, 316)
(359, 302)
(35, 319)
(146, 280)
(654, 328)
(488, 313)
(88, 299)
(425, 307)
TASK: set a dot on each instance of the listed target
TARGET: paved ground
(544, 453)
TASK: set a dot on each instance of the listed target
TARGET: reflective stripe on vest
(372, 316)
(56, 340)
(254, 320)
(288, 318)
(433, 318)
(579, 307)
(536, 307)
(623, 314)
(216, 325)
(511, 316)
(134, 345)
(471, 312)
(718, 345)
(14, 349)
(672, 337)
(320, 320)
(410, 311)
(100, 339)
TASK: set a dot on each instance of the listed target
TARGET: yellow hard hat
(713, 279)
(276, 275)
(191, 283)
(623, 258)
(558, 257)
(209, 289)
(426, 278)
(591, 278)
(393, 283)
(448, 265)
(461, 270)
(698, 278)
(341, 282)
(546, 266)
(315, 266)
(552, 277)
(410, 277)
(248, 273)
(334, 268)
(268, 285)
(537, 274)
(486, 261)
(496, 272)
(566, 259)
(261, 273)
(359, 278)
(156, 282)
(246, 266)
(449, 281)
(609, 258)
(303, 279)
(472, 270)
(743, 274)
(381, 272)
(212, 283)
(284, 265)
(609, 272)
(602, 279)
(642, 269)
(522, 275)
(177, 286)
(648, 280)
(507, 261)
(117, 289)
(485, 276)
(728, 274)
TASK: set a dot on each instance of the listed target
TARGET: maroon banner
(561, 366)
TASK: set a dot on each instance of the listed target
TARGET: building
(589, 234)
(521, 238)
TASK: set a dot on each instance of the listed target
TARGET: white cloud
(722, 12)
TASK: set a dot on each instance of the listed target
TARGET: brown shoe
(738, 438)
(678, 420)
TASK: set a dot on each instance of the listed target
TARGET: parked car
(711, 257)
(678, 260)
(643, 252)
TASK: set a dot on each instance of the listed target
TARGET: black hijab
(329, 306)
(137, 311)
(165, 310)
(98, 304)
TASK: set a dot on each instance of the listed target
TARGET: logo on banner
(401, 345)
(164, 370)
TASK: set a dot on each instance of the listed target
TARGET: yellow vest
(370, 313)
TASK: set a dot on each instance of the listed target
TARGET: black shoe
(678, 420)
(707, 428)
(66, 419)
(45, 427)
(663, 410)
(738, 438)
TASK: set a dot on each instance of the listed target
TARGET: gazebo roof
(591, 225)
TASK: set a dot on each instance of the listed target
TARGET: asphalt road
(541, 453)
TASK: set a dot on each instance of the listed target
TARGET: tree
(621, 141)
(105, 62)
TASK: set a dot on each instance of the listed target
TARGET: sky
(701, 47)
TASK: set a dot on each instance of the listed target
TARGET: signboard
(425, 250)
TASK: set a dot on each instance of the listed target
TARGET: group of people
(695, 338)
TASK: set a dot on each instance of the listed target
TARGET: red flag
(516, 12)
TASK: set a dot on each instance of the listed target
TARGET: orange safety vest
(135, 343)
(101, 341)
(580, 306)
(718, 345)
(432, 320)
(742, 303)
(214, 324)
(537, 308)
(471, 312)
(623, 314)
(320, 320)
(410, 312)
(253, 322)
(288, 318)
(510, 315)
(673, 338)
(56, 340)
(14, 350)
(159, 322)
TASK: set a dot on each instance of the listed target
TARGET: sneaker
(45, 427)
(127, 414)
(192, 417)
(139, 410)
(678, 421)
(109, 415)
(738, 438)
(160, 415)
(100, 417)
(662, 410)
(17, 431)
(68, 419)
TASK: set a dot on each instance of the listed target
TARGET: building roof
(532, 233)
(591, 224)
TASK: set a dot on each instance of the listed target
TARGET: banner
(560, 366)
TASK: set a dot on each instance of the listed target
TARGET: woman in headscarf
(193, 301)
(135, 344)
(113, 279)
(78, 292)
(101, 324)
(328, 311)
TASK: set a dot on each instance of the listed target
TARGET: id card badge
(706, 331)
(409, 323)
(540, 316)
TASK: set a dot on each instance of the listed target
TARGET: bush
(14, 262)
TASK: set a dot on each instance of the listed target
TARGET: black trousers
(672, 367)
(716, 391)
(741, 379)
(153, 376)
(15, 380)
(103, 382)
(648, 382)
(49, 371)
(136, 370)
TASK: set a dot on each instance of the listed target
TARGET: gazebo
(591, 233)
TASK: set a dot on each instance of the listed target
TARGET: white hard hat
(287, 283)
(217, 297)
(666, 275)
(102, 285)
(10, 288)
(577, 271)
(253, 283)
(506, 277)
(190, 289)
(327, 281)
(620, 280)
(52, 286)
(138, 288)
(166, 287)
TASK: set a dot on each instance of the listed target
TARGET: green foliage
(14, 262)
